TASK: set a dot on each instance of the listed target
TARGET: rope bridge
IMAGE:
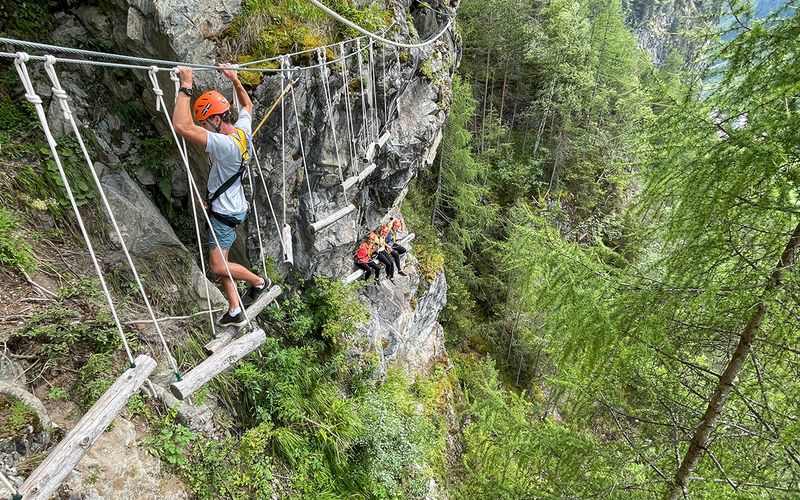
(364, 145)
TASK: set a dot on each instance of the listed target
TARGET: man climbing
(228, 148)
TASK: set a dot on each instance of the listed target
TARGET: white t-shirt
(226, 159)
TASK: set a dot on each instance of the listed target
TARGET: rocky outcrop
(416, 106)
(118, 467)
(661, 28)
(403, 327)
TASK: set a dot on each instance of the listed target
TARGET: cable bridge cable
(303, 155)
(144, 63)
(324, 80)
(346, 95)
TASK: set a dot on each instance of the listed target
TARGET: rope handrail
(61, 95)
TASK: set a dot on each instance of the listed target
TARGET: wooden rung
(288, 252)
(327, 221)
(217, 363)
(358, 273)
(349, 182)
(356, 179)
(365, 173)
(372, 151)
(45, 480)
(384, 139)
(254, 310)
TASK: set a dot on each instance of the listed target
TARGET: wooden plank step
(225, 336)
(218, 362)
(372, 151)
(327, 221)
(288, 252)
(357, 179)
(45, 480)
(384, 139)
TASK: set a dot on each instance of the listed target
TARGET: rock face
(403, 326)
(412, 113)
(147, 233)
(660, 27)
(117, 467)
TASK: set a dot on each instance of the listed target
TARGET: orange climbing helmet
(209, 104)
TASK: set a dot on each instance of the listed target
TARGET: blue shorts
(225, 234)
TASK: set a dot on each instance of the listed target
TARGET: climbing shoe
(237, 320)
(252, 294)
(401, 273)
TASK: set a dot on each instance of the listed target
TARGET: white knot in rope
(22, 71)
(156, 88)
(58, 90)
(173, 75)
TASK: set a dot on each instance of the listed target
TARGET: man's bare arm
(241, 93)
(182, 115)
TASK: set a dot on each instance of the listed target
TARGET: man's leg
(216, 263)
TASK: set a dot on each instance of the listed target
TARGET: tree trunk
(699, 441)
(485, 96)
(503, 91)
(438, 189)
(545, 113)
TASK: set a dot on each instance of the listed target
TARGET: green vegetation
(94, 378)
(16, 417)
(14, 251)
(313, 420)
(619, 240)
(266, 28)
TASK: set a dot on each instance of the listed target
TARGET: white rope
(379, 38)
(235, 99)
(374, 93)
(30, 94)
(184, 156)
(258, 225)
(182, 146)
(283, 144)
(61, 95)
(365, 140)
(350, 131)
(383, 84)
(303, 155)
(271, 209)
(400, 73)
(329, 104)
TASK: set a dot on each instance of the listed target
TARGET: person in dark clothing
(389, 232)
(363, 261)
(383, 255)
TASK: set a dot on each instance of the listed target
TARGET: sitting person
(389, 232)
(384, 231)
(363, 261)
(382, 253)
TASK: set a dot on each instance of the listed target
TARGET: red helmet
(209, 104)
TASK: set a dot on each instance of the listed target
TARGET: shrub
(14, 251)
